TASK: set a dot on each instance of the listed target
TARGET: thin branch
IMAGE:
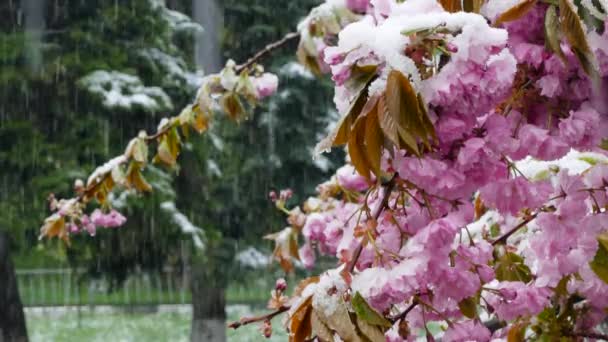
(249, 320)
(388, 189)
(267, 50)
(404, 313)
(503, 239)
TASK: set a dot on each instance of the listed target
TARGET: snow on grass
(115, 326)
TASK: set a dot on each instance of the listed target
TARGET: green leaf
(468, 307)
(599, 264)
(366, 313)
(511, 267)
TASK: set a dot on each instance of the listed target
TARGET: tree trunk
(12, 319)
(208, 308)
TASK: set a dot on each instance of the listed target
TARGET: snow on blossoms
(438, 219)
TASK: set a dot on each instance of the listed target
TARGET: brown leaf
(202, 117)
(303, 284)
(373, 140)
(517, 333)
(135, 180)
(308, 61)
(300, 326)
(54, 225)
(232, 106)
(427, 125)
(323, 333)
(339, 321)
(473, 6)
(340, 135)
(356, 148)
(371, 332)
(573, 29)
(164, 153)
(451, 6)
(552, 33)
(409, 142)
(388, 125)
(408, 112)
(293, 247)
(515, 12)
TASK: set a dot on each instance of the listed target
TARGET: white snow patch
(184, 223)
(213, 168)
(124, 91)
(106, 168)
(576, 162)
(251, 257)
(175, 68)
(293, 69)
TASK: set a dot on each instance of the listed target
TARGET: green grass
(135, 327)
(56, 289)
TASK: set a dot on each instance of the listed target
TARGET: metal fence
(61, 287)
(67, 287)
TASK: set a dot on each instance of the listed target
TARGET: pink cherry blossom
(111, 219)
(265, 85)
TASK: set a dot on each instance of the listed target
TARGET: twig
(249, 320)
(267, 50)
(388, 189)
(404, 313)
(503, 239)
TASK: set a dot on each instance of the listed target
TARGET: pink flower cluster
(501, 96)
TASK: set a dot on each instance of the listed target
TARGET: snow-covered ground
(107, 324)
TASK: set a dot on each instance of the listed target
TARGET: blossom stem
(249, 320)
(388, 189)
(267, 50)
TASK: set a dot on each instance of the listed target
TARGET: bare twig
(503, 239)
(249, 320)
(388, 189)
(404, 313)
(267, 50)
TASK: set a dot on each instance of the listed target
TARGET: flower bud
(266, 328)
(273, 196)
(281, 285)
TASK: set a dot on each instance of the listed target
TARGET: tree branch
(388, 189)
(503, 239)
(249, 320)
(268, 49)
(404, 313)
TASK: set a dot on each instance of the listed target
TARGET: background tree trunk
(12, 319)
(208, 308)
